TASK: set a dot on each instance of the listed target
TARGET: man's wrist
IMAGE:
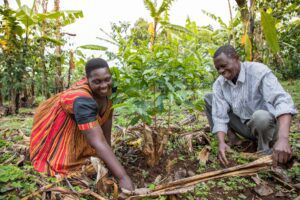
(283, 138)
(221, 137)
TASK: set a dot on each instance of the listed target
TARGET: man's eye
(107, 79)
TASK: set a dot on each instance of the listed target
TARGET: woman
(74, 125)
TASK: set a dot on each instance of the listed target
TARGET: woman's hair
(94, 63)
(228, 50)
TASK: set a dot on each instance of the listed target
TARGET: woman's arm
(106, 127)
(97, 140)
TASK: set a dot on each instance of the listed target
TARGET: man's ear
(237, 57)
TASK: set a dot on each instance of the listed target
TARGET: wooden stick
(88, 169)
(261, 161)
(94, 194)
(240, 170)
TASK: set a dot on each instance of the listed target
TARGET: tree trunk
(71, 67)
(247, 15)
(251, 25)
(36, 6)
(244, 9)
(45, 89)
(1, 97)
(232, 36)
(58, 52)
(6, 4)
(14, 101)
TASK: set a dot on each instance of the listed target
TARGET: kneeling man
(248, 99)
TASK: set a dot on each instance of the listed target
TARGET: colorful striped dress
(57, 145)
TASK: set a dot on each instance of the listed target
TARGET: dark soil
(171, 168)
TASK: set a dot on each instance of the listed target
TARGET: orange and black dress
(57, 145)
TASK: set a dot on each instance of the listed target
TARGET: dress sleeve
(85, 112)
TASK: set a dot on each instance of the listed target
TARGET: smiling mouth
(224, 74)
(104, 91)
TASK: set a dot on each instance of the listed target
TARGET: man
(248, 99)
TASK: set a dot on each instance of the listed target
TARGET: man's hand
(223, 147)
(126, 183)
(281, 151)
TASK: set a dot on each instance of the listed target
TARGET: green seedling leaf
(10, 173)
(151, 186)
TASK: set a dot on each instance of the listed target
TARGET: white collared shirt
(256, 89)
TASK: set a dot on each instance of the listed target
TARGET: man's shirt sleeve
(274, 94)
(220, 110)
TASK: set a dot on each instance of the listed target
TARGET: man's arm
(274, 94)
(220, 117)
(97, 140)
(282, 150)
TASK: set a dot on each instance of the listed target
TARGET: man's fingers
(286, 157)
(223, 156)
(225, 159)
(280, 157)
(221, 159)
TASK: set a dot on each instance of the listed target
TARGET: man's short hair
(228, 50)
(94, 63)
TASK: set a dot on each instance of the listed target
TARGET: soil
(143, 175)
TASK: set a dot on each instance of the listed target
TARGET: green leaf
(149, 71)
(216, 18)
(169, 86)
(134, 120)
(52, 40)
(151, 186)
(269, 30)
(25, 16)
(171, 98)
(10, 173)
(19, 3)
(160, 103)
(151, 7)
(121, 105)
(93, 47)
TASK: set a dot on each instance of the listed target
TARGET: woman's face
(229, 68)
(100, 82)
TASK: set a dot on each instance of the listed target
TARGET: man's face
(229, 68)
(100, 82)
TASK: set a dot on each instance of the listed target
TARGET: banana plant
(20, 39)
